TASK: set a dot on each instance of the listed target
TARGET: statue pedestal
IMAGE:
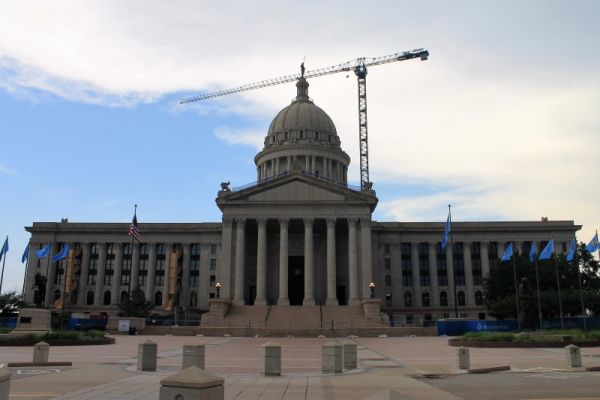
(33, 320)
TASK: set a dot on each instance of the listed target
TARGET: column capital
(241, 222)
(227, 221)
(261, 221)
(365, 221)
(308, 221)
(352, 220)
(331, 221)
(466, 244)
(284, 222)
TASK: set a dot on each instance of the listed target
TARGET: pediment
(296, 191)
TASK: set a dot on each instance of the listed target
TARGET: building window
(478, 298)
(213, 248)
(424, 265)
(301, 134)
(388, 299)
(442, 268)
(93, 266)
(443, 299)
(459, 264)
(195, 266)
(493, 255)
(386, 248)
(109, 266)
(406, 265)
(143, 270)
(476, 264)
(193, 299)
(89, 300)
(426, 299)
(408, 299)
(213, 264)
(388, 281)
(161, 259)
(126, 268)
(124, 297)
(461, 298)
(388, 265)
(158, 299)
(106, 298)
(409, 319)
(212, 281)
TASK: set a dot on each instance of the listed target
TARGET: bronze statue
(526, 309)
(39, 289)
(302, 69)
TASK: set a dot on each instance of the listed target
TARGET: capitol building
(298, 242)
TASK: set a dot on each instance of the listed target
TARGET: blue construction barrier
(8, 322)
(457, 327)
(84, 324)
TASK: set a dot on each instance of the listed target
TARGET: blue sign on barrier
(456, 327)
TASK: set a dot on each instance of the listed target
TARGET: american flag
(133, 229)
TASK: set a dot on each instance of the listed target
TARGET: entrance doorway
(296, 280)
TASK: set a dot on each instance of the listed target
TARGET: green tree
(10, 302)
(136, 305)
(499, 286)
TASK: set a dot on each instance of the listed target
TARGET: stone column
(416, 273)
(283, 262)
(224, 269)
(314, 165)
(367, 269)
(501, 248)
(50, 271)
(306, 163)
(450, 269)
(165, 289)
(116, 283)
(485, 259)
(309, 298)
(99, 291)
(352, 262)
(185, 274)
(435, 295)
(261, 263)
(470, 295)
(240, 252)
(83, 276)
(151, 271)
(135, 264)
(331, 263)
(32, 269)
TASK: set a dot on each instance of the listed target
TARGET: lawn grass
(74, 336)
(552, 335)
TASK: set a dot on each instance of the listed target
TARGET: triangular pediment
(296, 191)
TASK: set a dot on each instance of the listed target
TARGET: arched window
(478, 298)
(124, 297)
(107, 298)
(443, 299)
(461, 298)
(426, 299)
(193, 299)
(158, 299)
(89, 300)
(408, 299)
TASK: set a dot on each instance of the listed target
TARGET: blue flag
(447, 231)
(548, 251)
(25, 253)
(4, 249)
(43, 252)
(572, 250)
(532, 252)
(508, 253)
(593, 244)
(63, 253)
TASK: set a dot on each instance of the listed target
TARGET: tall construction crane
(359, 66)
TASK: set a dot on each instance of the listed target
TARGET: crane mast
(359, 67)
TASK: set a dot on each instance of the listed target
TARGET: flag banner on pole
(447, 231)
(508, 253)
(592, 246)
(63, 253)
(4, 249)
(25, 253)
(548, 251)
(43, 252)
(532, 252)
(572, 250)
(133, 229)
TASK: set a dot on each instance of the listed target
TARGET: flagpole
(576, 259)
(516, 287)
(3, 264)
(453, 269)
(64, 288)
(47, 280)
(131, 257)
(537, 283)
(26, 268)
(562, 321)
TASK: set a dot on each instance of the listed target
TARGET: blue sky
(502, 120)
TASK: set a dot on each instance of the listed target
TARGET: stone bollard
(350, 358)
(272, 359)
(147, 353)
(462, 355)
(192, 383)
(41, 352)
(573, 354)
(4, 383)
(331, 357)
(193, 355)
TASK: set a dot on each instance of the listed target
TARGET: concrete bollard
(193, 355)
(349, 355)
(41, 351)
(272, 359)
(192, 383)
(573, 354)
(331, 358)
(462, 355)
(4, 383)
(147, 353)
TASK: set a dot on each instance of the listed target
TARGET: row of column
(331, 169)
(309, 298)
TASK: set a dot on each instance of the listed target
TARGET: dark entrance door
(296, 280)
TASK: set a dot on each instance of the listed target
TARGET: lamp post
(372, 287)
(218, 286)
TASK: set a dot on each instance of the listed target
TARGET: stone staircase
(294, 318)
(347, 317)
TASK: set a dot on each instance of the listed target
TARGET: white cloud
(7, 170)
(249, 137)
